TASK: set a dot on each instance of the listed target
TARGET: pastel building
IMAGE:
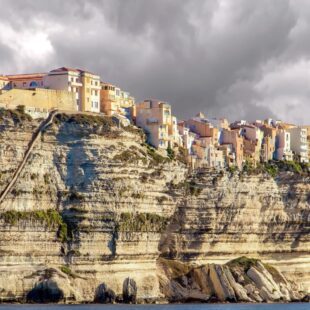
(201, 126)
(283, 145)
(155, 118)
(113, 100)
(84, 85)
(187, 136)
(208, 154)
(298, 143)
(26, 81)
(233, 138)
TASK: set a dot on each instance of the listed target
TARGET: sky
(240, 59)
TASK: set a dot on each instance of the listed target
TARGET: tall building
(85, 86)
(113, 100)
(155, 118)
(298, 143)
(283, 145)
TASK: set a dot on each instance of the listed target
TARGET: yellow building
(113, 100)
(84, 85)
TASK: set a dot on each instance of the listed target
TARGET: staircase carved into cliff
(36, 135)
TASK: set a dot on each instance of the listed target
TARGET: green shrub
(244, 262)
(142, 222)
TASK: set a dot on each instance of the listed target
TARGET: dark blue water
(292, 306)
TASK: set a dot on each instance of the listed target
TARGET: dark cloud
(219, 56)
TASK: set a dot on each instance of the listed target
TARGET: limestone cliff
(95, 207)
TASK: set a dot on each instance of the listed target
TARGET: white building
(299, 143)
(283, 145)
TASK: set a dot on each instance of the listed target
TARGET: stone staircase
(36, 135)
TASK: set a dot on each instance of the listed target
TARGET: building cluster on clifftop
(205, 141)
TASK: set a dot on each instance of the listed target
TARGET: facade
(84, 85)
(26, 81)
(201, 126)
(233, 138)
(298, 143)
(155, 118)
(283, 145)
(113, 100)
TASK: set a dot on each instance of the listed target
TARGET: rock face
(96, 206)
(240, 280)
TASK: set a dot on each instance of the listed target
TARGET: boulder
(129, 291)
(104, 295)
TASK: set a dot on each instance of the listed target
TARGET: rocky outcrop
(97, 206)
(240, 280)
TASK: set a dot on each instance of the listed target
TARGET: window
(33, 84)
(96, 92)
(72, 79)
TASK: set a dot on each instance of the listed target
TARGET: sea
(291, 306)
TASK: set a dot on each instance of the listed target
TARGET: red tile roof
(29, 76)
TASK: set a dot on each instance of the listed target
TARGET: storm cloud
(234, 58)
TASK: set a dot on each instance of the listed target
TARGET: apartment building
(201, 126)
(84, 85)
(299, 143)
(155, 118)
(283, 145)
(233, 138)
(113, 100)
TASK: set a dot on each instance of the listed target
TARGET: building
(233, 138)
(26, 81)
(283, 145)
(201, 126)
(208, 154)
(187, 136)
(83, 84)
(299, 143)
(155, 118)
(308, 140)
(113, 100)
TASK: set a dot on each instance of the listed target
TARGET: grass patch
(175, 268)
(244, 262)
(51, 218)
(142, 222)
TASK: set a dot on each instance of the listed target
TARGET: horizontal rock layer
(94, 205)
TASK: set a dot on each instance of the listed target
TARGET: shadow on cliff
(46, 291)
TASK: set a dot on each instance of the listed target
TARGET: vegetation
(142, 222)
(170, 152)
(18, 115)
(155, 156)
(104, 125)
(244, 262)
(51, 218)
(273, 168)
(175, 268)
(67, 271)
(129, 156)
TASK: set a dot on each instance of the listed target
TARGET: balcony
(75, 84)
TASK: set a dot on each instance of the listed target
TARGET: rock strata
(94, 206)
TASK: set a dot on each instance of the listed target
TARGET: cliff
(95, 208)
